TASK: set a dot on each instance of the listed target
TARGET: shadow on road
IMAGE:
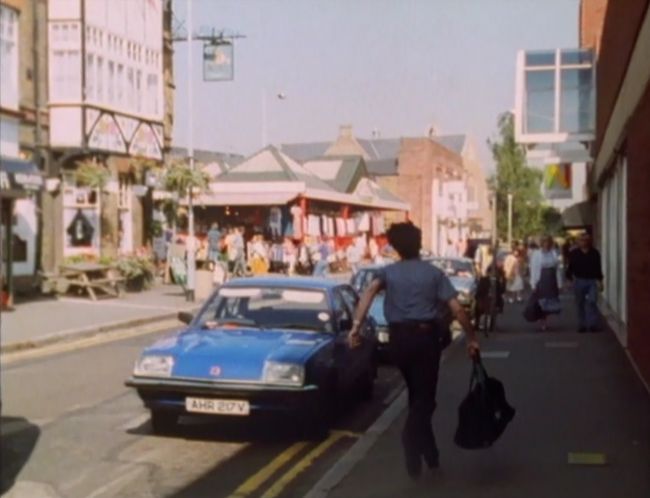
(17, 442)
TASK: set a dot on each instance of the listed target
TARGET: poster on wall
(145, 143)
(218, 61)
(558, 182)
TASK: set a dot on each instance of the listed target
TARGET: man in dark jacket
(414, 291)
(585, 271)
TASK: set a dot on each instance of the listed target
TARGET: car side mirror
(185, 317)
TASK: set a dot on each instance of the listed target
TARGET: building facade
(619, 33)
(440, 176)
(110, 81)
(21, 22)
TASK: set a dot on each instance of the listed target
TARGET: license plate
(218, 406)
(383, 337)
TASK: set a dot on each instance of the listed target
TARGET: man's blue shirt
(414, 289)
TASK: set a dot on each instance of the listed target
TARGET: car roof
(282, 281)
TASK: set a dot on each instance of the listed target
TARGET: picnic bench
(94, 279)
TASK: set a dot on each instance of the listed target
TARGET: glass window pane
(576, 57)
(540, 59)
(576, 101)
(540, 101)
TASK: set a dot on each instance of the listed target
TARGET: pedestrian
(584, 269)
(353, 256)
(414, 290)
(512, 267)
(214, 243)
(321, 257)
(289, 256)
(545, 280)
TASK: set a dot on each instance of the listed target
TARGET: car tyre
(163, 422)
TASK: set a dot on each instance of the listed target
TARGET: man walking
(415, 291)
(214, 243)
(585, 271)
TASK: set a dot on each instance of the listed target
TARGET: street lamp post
(510, 196)
(191, 239)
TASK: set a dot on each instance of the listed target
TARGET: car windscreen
(454, 267)
(268, 308)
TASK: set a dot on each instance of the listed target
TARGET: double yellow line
(257, 480)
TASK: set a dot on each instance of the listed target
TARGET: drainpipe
(38, 139)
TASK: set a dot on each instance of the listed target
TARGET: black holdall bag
(484, 413)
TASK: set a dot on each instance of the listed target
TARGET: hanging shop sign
(218, 61)
(18, 175)
(558, 182)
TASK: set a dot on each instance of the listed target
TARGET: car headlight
(383, 336)
(288, 374)
(154, 366)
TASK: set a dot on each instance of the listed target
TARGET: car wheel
(163, 422)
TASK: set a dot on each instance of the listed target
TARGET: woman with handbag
(545, 280)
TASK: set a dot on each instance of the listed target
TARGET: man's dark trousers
(415, 350)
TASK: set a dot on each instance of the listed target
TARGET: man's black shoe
(582, 330)
(413, 465)
(594, 329)
(433, 463)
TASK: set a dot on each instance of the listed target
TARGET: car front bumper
(169, 394)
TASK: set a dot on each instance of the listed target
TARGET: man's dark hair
(406, 239)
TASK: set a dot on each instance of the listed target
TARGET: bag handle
(479, 375)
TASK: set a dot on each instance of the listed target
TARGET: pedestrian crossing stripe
(587, 459)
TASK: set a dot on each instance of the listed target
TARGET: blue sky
(395, 65)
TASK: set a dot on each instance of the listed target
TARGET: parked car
(364, 276)
(463, 277)
(274, 345)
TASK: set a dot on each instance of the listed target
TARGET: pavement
(45, 321)
(577, 397)
(48, 320)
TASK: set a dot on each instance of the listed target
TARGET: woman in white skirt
(514, 276)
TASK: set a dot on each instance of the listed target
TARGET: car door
(345, 358)
(368, 332)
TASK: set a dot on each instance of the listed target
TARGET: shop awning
(245, 199)
(579, 215)
(18, 177)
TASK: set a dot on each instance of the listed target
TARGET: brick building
(619, 180)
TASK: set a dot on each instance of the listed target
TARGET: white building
(106, 99)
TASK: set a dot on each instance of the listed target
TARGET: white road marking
(495, 355)
(136, 422)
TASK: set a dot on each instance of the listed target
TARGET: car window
(341, 310)
(350, 297)
(269, 307)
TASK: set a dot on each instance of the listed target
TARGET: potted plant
(138, 271)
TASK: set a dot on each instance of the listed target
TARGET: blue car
(265, 345)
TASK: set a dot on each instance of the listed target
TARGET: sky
(397, 66)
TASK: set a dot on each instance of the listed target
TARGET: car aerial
(463, 277)
(263, 345)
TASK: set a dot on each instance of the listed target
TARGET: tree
(514, 177)
(180, 180)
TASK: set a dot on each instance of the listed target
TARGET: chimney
(345, 131)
